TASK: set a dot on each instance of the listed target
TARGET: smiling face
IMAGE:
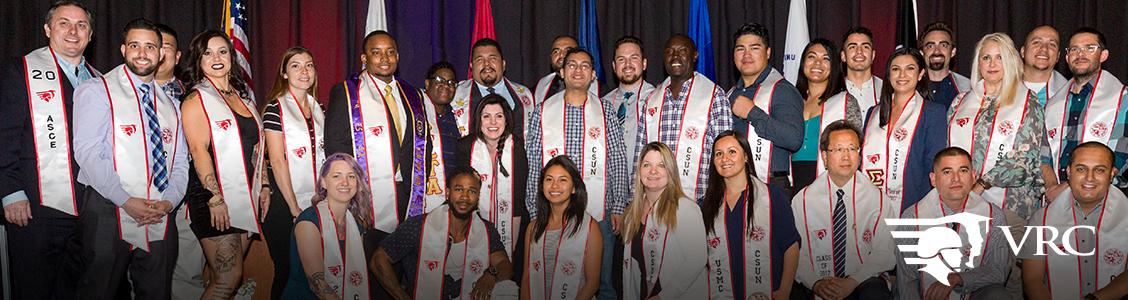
(441, 93)
(558, 187)
(728, 158)
(170, 55)
(300, 72)
(1090, 174)
(904, 74)
(953, 177)
(938, 49)
(629, 63)
(463, 193)
(68, 32)
(578, 71)
(380, 57)
(560, 47)
(816, 64)
(486, 64)
(680, 57)
(652, 172)
(493, 122)
(141, 51)
(1041, 48)
(842, 157)
(750, 54)
(858, 52)
(991, 63)
(216, 60)
(340, 183)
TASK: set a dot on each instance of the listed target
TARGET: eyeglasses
(943, 45)
(1089, 49)
(580, 66)
(843, 150)
(443, 81)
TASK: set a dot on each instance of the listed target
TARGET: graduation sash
(433, 254)
(241, 198)
(867, 100)
(435, 192)
(929, 207)
(568, 270)
(1063, 272)
(1098, 120)
(346, 271)
(593, 160)
(814, 211)
(304, 154)
(497, 191)
(762, 147)
(1004, 129)
(464, 97)
(833, 109)
(692, 125)
(886, 150)
(131, 149)
(654, 252)
(757, 249)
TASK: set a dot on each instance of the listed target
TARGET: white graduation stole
(303, 158)
(654, 249)
(242, 199)
(131, 149)
(1097, 122)
(346, 271)
(434, 194)
(929, 207)
(433, 254)
(50, 128)
(865, 207)
(757, 250)
(762, 147)
(833, 109)
(379, 135)
(497, 192)
(593, 160)
(1005, 125)
(463, 98)
(569, 267)
(886, 150)
(1063, 272)
(694, 122)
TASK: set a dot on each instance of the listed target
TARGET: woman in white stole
(224, 136)
(563, 247)
(664, 251)
(1001, 124)
(293, 124)
(752, 242)
(825, 100)
(334, 237)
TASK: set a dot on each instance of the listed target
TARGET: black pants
(108, 257)
(43, 257)
(872, 288)
(276, 229)
(782, 182)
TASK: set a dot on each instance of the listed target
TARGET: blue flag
(701, 34)
(589, 36)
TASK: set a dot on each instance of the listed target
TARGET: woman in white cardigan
(663, 233)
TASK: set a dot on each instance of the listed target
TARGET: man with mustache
(858, 53)
(132, 153)
(1039, 56)
(1092, 108)
(630, 65)
(938, 47)
(38, 185)
(487, 76)
(554, 82)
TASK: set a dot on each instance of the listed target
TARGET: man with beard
(554, 82)
(443, 130)
(1092, 108)
(630, 65)
(487, 71)
(686, 112)
(858, 53)
(448, 253)
(1039, 56)
(132, 153)
(41, 195)
(938, 47)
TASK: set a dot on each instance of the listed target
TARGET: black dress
(198, 196)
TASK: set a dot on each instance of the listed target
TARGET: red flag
(483, 26)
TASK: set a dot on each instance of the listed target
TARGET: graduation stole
(817, 218)
(762, 147)
(654, 254)
(435, 192)
(930, 207)
(498, 189)
(241, 197)
(593, 159)
(692, 124)
(1004, 129)
(304, 154)
(756, 250)
(833, 109)
(433, 254)
(347, 271)
(569, 263)
(886, 150)
(1063, 272)
(1098, 120)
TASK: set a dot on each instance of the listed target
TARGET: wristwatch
(492, 271)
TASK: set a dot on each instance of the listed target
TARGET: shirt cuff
(14, 197)
(756, 114)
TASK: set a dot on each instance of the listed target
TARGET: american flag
(235, 23)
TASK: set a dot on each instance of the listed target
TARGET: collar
(498, 87)
(68, 66)
(1082, 211)
(864, 85)
(759, 79)
(382, 85)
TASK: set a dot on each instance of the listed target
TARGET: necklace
(226, 92)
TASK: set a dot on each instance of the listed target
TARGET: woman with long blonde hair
(663, 233)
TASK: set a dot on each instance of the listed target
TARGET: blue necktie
(156, 147)
(839, 236)
(622, 113)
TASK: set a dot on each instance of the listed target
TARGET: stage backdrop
(432, 30)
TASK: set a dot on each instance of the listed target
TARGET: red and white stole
(303, 157)
(497, 205)
(886, 150)
(1099, 118)
(814, 211)
(593, 160)
(757, 250)
(692, 124)
(833, 109)
(132, 153)
(930, 207)
(434, 194)
(653, 248)
(1063, 272)
(241, 198)
(347, 271)
(867, 100)
(567, 272)
(380, 134)
(1005, 124)
(464, 97)
(433, 254)
(762, 147)
(50, 128)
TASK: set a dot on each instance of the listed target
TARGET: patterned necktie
(622, 113)
(156, 147)
(491, 90)
(839, 235)
(393, 107)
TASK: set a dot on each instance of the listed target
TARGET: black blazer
(18, 166)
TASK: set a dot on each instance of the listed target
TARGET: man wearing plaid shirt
(665, 112)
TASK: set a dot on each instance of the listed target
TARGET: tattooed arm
(198, 133)
(308, 239)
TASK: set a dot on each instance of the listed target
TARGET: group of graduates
(139, 181)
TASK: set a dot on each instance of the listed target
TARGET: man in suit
(41, 195)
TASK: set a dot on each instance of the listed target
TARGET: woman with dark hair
(747, 221)
(341, 202)
(563, 245)
(903, 132)
(225, 186)
(826, 100)
(293, 124)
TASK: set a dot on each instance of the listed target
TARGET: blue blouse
(930, 137)
(810, 149)
(783, 236)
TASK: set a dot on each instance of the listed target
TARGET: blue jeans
(606, 289)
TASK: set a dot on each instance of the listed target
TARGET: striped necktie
(156, 147)
(839, 235)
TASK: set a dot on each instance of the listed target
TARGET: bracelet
(216, 203)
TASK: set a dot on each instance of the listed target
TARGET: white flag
(377, 19)
(797, 38)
